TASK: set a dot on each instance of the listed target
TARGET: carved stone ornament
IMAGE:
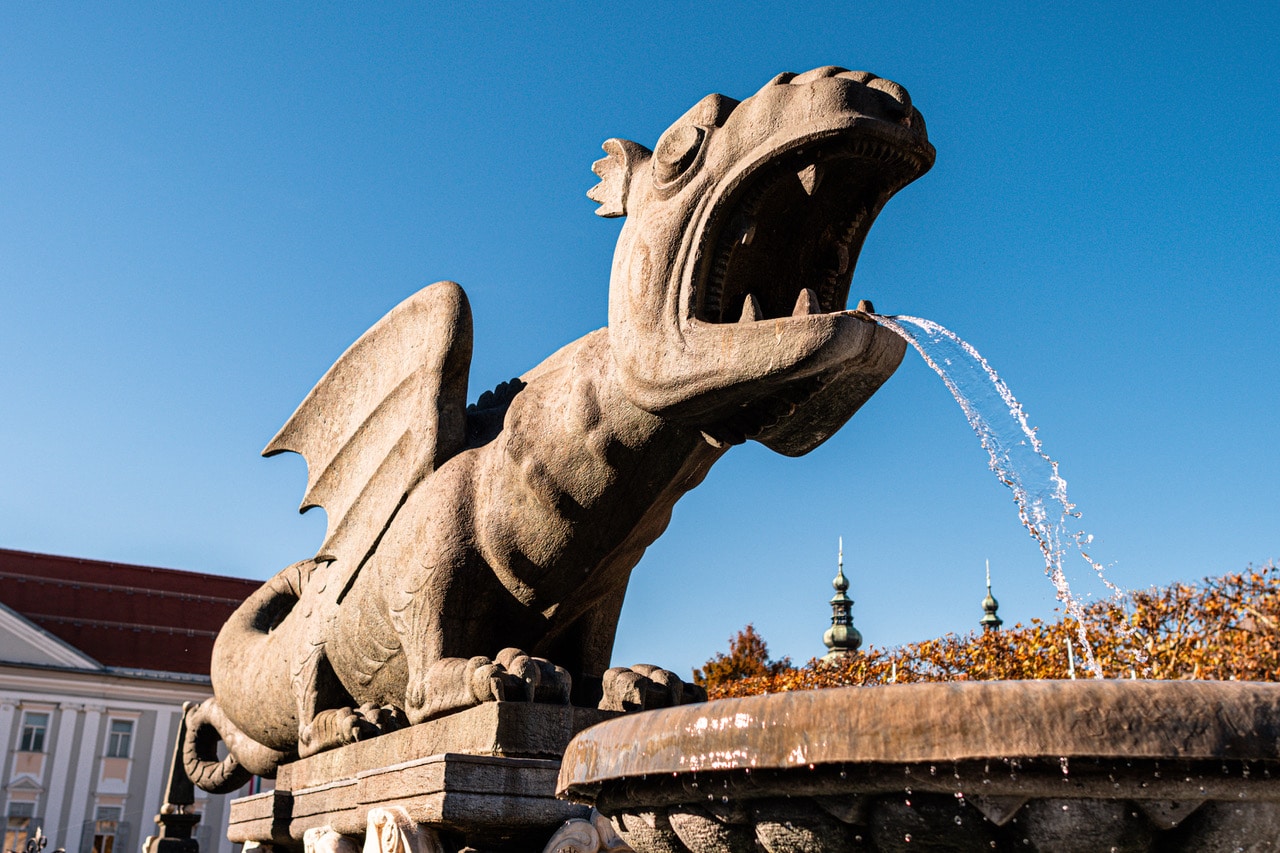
(391, 830)
(592, 835)
(323, 839)
(482, 552)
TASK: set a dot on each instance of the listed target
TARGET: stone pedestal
(175, 834)
(482, 778)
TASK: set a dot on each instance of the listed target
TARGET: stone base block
(484, 778)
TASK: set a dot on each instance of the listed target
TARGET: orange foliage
(748, 658)
(1225, 628)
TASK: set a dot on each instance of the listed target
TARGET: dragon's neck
(588, 479)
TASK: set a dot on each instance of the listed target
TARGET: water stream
(1015, 455)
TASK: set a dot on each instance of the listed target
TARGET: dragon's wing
(390, 411)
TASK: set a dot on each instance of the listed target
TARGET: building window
(106, 825)
(118, 741)
(19, 826)
(34, 726)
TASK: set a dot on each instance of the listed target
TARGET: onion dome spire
(990, 621)
(841, 638)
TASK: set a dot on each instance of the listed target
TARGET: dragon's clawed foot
(643, 687)
(332, 728)
(521, 677)
(386, 718)
(455, 683)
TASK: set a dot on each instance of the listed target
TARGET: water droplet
(907, 838)
(958, 820)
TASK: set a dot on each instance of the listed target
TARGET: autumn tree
(1222, 628)
(748, 658)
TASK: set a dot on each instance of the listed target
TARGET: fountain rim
(933, 722)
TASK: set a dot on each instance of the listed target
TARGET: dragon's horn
(615, 173)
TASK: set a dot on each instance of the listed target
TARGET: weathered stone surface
(648, 830)
(916, 821)
(943, 722)
(1241, 827)
(504, 787)
(477, 797)
(594, 834)
(702, 833)
(1084, 826)
(1138, 767)
(509, 729)
(482, 553)
(798, 826)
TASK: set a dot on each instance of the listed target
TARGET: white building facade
(87, 748)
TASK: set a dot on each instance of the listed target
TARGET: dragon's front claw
(386, 718)
(452, 684)
(332, 728)
(543, 681)
(644, 686)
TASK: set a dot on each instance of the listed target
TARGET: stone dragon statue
(480, 553)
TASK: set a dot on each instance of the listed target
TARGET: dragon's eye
(676, 152)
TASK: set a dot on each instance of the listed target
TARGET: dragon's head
(731, 275)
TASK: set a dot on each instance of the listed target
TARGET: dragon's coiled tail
(206, 726)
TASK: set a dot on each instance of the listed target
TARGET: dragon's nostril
(863, 77)
(893, 90)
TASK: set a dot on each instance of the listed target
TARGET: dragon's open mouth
(785, 242)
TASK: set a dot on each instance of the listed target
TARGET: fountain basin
(1029, 765)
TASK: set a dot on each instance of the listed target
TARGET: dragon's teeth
(810, 176)
(806, 303)
(751, 310)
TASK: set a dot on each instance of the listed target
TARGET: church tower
(841, 639)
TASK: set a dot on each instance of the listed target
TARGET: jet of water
(1015, 453)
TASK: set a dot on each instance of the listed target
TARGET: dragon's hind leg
(326, 716)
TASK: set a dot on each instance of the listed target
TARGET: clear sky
(203, 205)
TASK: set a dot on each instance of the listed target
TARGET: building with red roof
(96, 659)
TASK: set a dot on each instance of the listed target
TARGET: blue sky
(203, 205)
